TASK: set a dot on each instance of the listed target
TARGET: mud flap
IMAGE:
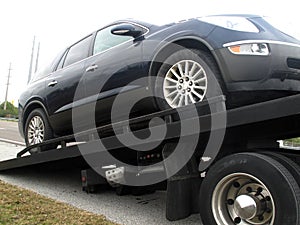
(182, 188)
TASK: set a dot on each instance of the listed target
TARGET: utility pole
(8, 77)
(37, 58)
(31, 61)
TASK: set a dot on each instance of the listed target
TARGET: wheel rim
(36, 130)
(185, 83)
(242, 199)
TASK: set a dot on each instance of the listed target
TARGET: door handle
(52, 83)
(91, 68)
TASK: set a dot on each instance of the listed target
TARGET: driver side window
(105, 40)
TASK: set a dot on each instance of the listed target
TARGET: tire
(292, 167)
(209, 79)
(123, 190)
(144, 190)
(251, 178)
(38, 117)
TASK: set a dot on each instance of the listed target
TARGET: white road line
(2, 128)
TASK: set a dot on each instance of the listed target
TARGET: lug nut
(249, 189)
(191, 83)
(183, 91)
(261, 217)
(179, 87)
(188, 89)
(268, 210)
(181, 81)
(237, 220)
(187, 79)
(230, 201)
(236, 184)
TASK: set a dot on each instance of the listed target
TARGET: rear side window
(78, 52)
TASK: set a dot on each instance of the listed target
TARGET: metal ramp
(275, 119)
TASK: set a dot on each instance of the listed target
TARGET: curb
(9, 119)
(12, 142)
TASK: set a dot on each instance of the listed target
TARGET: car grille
(293, 63)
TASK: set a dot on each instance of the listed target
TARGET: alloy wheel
(185, 83)
(36, 130)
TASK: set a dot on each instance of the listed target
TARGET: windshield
(285, 25)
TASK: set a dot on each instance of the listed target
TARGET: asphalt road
(65, 186)
(9, 132)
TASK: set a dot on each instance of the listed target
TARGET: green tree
(11, 110)
(292, 142)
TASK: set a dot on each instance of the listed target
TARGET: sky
(58, 23)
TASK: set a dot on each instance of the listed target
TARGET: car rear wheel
(185, 78)
(37, 129)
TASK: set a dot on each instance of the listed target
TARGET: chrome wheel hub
(245, 207)
(242, 199)
(185, 83)
(36, 130)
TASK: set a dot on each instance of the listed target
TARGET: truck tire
(249, 188)
(292, 167)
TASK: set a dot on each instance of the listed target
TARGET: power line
(6, 94)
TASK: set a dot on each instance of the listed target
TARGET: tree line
(10, 112)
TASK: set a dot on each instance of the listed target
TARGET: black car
(250, 59)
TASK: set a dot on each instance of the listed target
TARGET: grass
(20, 206)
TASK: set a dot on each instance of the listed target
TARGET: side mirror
(126, 30)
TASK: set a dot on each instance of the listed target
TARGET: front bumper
(279, 70)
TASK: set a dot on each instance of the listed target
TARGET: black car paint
(133, 60)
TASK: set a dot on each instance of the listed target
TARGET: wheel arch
(32, 105)
(189, 42)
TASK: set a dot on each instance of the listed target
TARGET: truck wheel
(249, 188)
(37, 130)
(123, 190)
(186, 78)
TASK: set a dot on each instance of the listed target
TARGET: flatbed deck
(275, 119)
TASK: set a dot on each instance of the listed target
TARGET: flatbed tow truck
(244, 177)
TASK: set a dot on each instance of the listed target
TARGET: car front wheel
(187, 77)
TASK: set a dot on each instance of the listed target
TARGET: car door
(63, 83)
(116, 61)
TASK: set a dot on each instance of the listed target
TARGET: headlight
(250, 49)
(231, 22)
